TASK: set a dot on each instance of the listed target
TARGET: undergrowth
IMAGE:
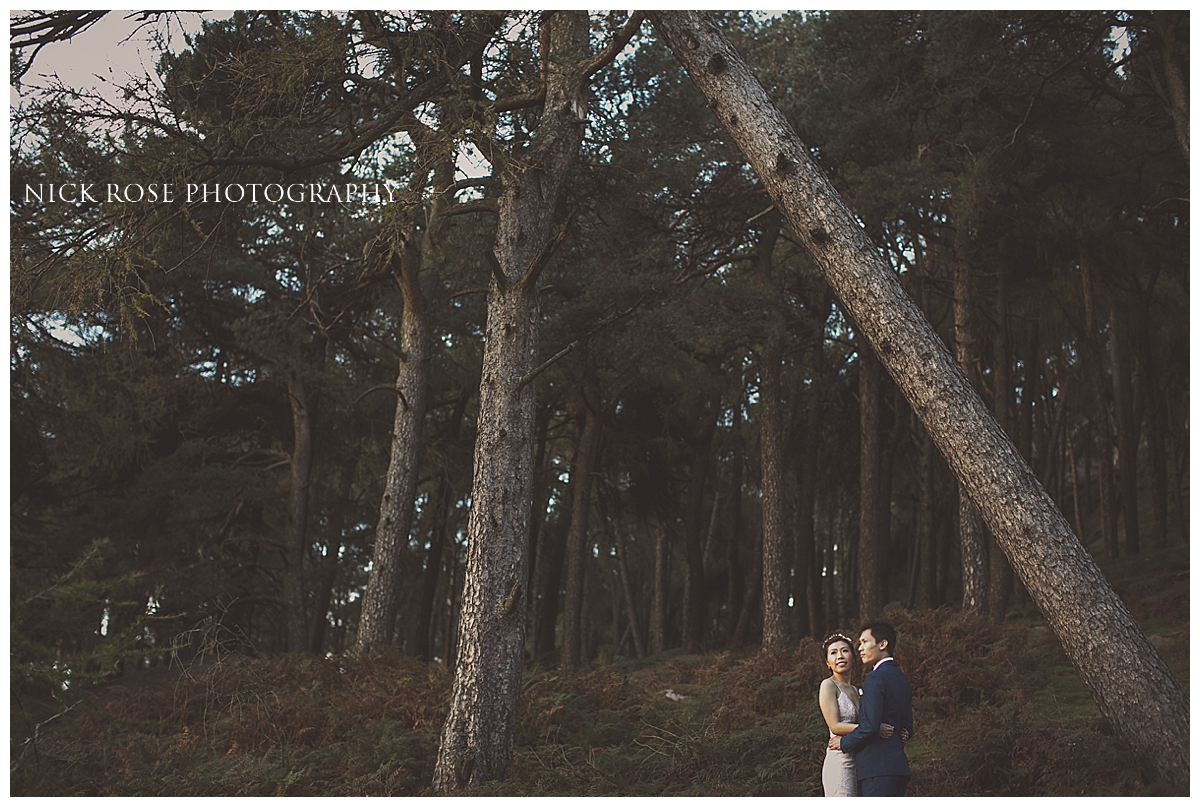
(998, 711)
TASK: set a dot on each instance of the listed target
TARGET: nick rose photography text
(203, 193)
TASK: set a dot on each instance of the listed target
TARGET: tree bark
(1131, 684)
(735, 576)
(924, 588)
(477, 739)
(635, 628)
(973, 538)
(324, 593)
(537, 531)
(1127, 429)
(581, 506)
(381, 599)
(999, 570)
(549, 584)
(804, 588)
(774, 600)
(695, 591)
(658, 613)
(301, 467)
(1093, 358)
(422, 637)
(870, 403)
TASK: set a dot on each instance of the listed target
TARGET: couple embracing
(866, 753)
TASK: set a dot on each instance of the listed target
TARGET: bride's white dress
(837, 775)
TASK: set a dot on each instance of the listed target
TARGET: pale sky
(112, 49)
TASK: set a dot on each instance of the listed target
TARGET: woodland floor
(998, 710)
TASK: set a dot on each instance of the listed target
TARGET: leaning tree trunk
(407, 254)
(1126, 676)
(380, 602)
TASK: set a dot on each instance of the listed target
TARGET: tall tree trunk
(549, 585)
(658, 614)
(923, 589)
(1127, 428)
(581, 505)
(735, 575)
(537, 532)
(973, 538)
(891, 438)
(324, 593)
(774, 583)
(695, 592)
(301, 467)
(923, 581)
(477, 739)
(422, 638)
(1182, 475)
(751, 595)
(381, 600)
(999, 570)
(1157, 454)
(635, 627)
(1171, 28)
(1131, 684)
(1093, 357)
(870, 542)
(805, 559)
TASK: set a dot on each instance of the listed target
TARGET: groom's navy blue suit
(886, 698)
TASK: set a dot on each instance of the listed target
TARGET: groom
(886, 698)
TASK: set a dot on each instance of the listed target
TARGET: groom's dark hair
(882, 631)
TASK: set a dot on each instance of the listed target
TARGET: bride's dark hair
(836, 636)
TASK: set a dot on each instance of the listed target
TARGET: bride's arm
(827, 698)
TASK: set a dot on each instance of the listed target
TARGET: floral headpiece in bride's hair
(837, 636)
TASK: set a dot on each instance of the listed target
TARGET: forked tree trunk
(477, 739)
(1129, 681)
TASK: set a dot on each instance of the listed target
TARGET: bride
(838, 699)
